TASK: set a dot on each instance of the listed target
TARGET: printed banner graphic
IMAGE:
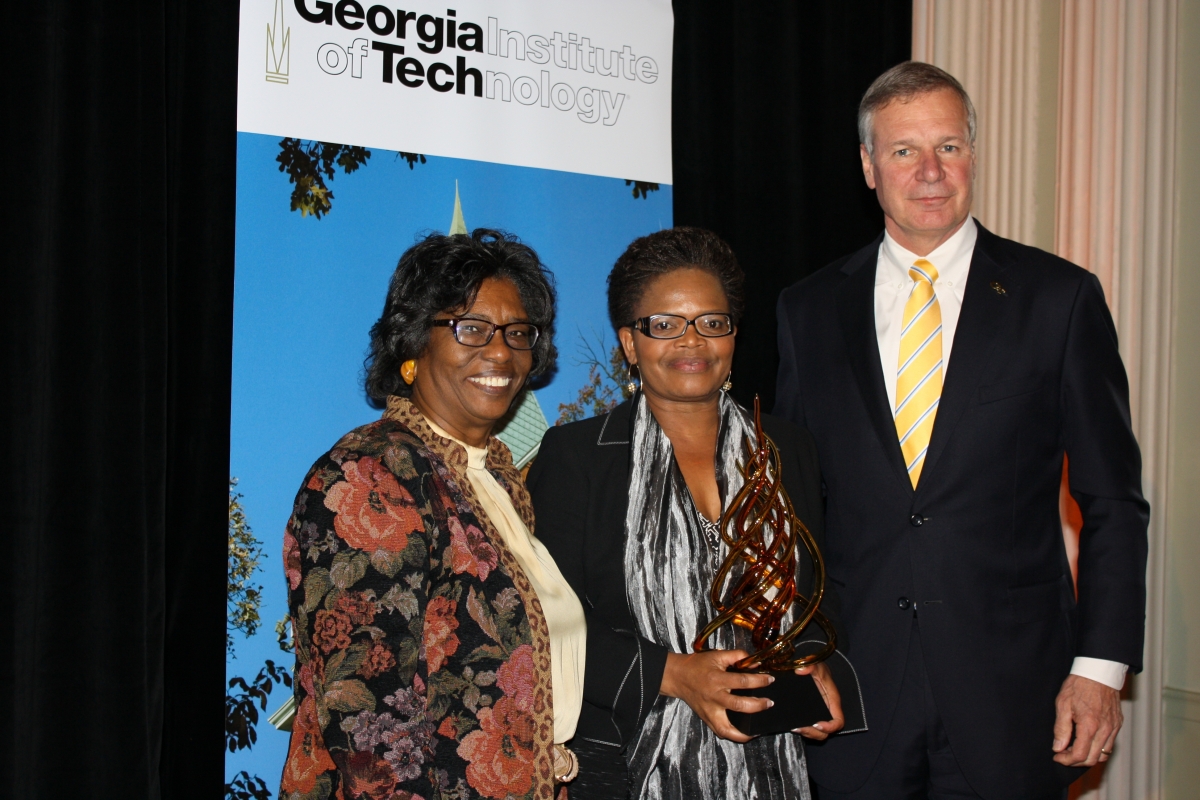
(362, 128)
(572, 86)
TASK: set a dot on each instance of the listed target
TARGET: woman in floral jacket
(439, 651)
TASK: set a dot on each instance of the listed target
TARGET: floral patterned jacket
(422, 656)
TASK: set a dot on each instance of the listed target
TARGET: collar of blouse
(454, 455)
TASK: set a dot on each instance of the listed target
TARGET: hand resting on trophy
(823, 679)
(702, 681)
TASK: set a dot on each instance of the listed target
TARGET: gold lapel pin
(998, 289)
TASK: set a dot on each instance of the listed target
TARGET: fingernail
(770, 703)
(770, 679)
(817, 725)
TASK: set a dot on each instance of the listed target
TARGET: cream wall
(1181, 695)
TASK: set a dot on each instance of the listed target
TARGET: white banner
(574, 86)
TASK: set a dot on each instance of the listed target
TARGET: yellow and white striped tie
(919, 375)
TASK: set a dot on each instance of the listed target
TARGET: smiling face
(923, 168)
(466, 390)
(692, 367)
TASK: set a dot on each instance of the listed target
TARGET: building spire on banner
(457, 223)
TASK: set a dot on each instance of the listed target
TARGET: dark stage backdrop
(117, 313)
(766, 144)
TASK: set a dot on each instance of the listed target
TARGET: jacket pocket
(1005, 389)
(1038, 601)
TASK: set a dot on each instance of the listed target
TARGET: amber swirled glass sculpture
(762, 532)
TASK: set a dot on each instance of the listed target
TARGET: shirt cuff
(1110, 673)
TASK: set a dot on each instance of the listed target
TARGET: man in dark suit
(944, 372)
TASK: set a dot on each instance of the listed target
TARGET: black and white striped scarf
(670, 566)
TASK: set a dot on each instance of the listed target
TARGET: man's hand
(833, 701)
(700, 680)
(1093, 712)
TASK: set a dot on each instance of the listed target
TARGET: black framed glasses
(671, 326)
(478, 332)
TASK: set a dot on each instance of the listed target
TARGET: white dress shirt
(952, 259)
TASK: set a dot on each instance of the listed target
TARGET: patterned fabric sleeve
(357, 558)
(416, 670)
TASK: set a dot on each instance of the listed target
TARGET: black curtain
(117, 314)
(766, 144)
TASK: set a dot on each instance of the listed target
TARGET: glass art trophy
(755, 590)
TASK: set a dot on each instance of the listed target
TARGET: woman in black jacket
(628, 504)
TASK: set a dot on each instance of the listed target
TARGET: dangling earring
(728, 384)
(631, 386)
(408, 371)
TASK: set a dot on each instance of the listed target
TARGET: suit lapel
(979, 322)
(856, 309)
(618, 427)
(614, 443)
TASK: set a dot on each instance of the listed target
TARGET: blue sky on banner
(307, 291)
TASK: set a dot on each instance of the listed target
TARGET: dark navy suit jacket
(977, 548)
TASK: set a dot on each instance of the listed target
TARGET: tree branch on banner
(411, 158)
(242, 596)
(283, 634)
(245, 786)
(642, 188)
(309, 164)
(244, 699)
(242, 704)
(606, 386)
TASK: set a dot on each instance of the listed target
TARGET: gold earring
(728, 384)
(408, 371)
(632, 387)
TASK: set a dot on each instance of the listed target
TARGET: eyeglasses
(478, 332)
(670, 326)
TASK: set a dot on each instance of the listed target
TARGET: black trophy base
(798, 704)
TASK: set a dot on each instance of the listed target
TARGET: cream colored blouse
(563, 612)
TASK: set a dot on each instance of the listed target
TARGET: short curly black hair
(666, 251)
(443, 273)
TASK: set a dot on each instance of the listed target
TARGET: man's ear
(867, 166)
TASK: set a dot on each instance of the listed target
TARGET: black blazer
(977, 548)
(580, 484)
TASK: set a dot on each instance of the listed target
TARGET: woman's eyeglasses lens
(669, 326)
(477, 332)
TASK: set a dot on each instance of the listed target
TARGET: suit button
(904, 603)
(916, 520)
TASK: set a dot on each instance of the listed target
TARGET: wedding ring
(1106, 752)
